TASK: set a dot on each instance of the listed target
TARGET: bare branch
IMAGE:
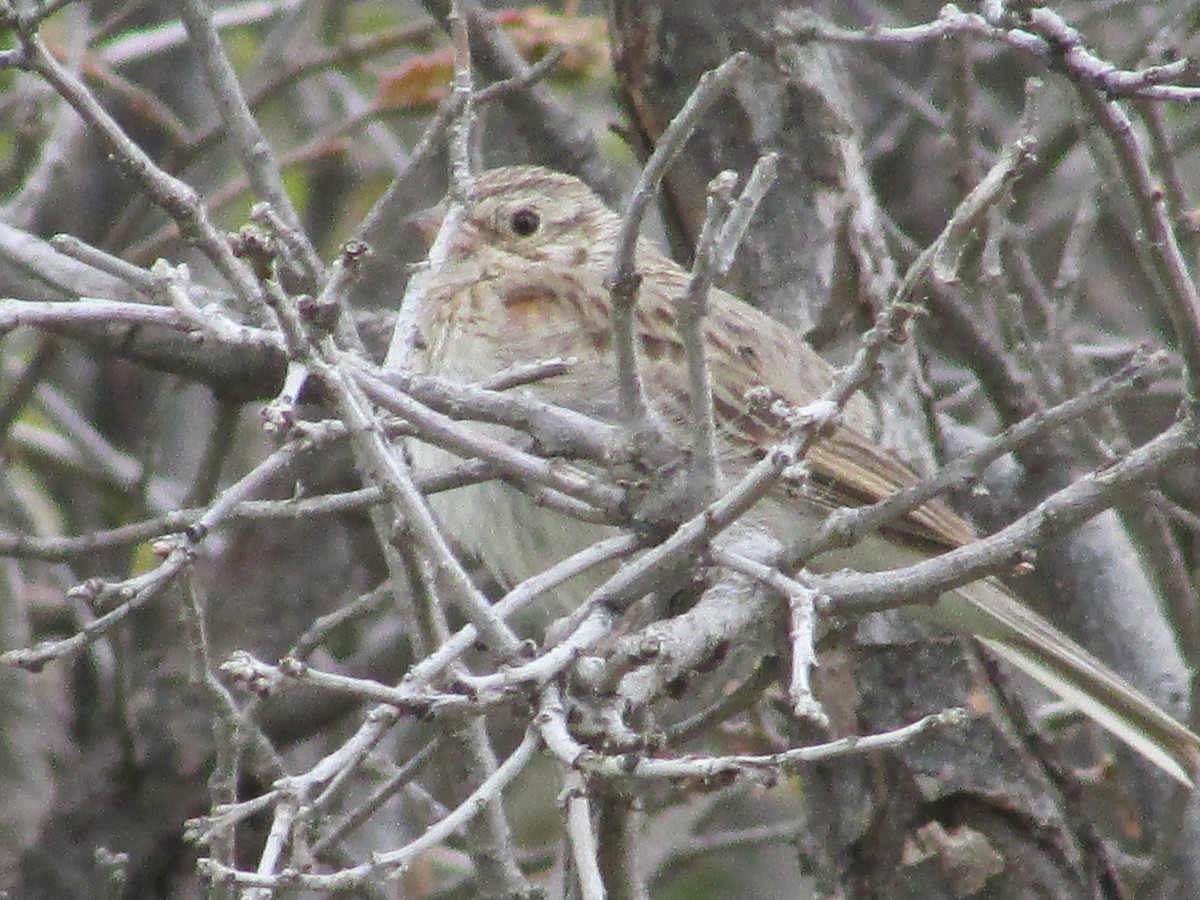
(845, 526)
(1056, 515)
(703, 474)
(582, 835)
(253, 148)
(718, 769)
(177, 199)
(624, 280)
(1056, 46)
(392, 860)
(802, 614)
(179, 553)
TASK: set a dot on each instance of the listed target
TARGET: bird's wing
(749, 350)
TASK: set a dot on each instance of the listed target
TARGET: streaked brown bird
(526, 281)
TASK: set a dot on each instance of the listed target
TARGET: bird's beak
(425, 224)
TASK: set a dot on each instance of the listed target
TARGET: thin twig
(519, 598)
(253, 148)
(617, 844)
(391, 473)
(762, 176)
(1065, 51)
(405, 336)
(1181, 296)
(744, 695)
(375, 725)
(392, 860)
(845, 526)
(137, 45)
(562, 745)
(1056, 515)
(523, 467)
(401, 777)
(563, 653)
(137, 277)
(624, 279)
(177, 198)
(180, 552)
(802, 613)
(703, 472)
(582, 835)
(23, 384)
(545, 122)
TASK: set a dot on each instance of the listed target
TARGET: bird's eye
(525, 221)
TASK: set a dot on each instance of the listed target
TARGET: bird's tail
(1024, 639)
